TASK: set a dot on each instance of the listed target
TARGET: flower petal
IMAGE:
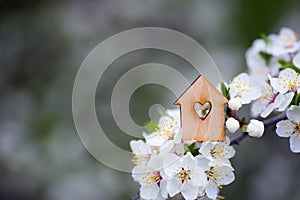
(293, 113)
(205, 149)
(286, 77)
(203, 163)
(298, 83)
(241, 85)
(189, 160)
(278, 85)
(155, 162)
(288, 97)
(149, 191)
(212, 190)
(253, 94)
(258, 106)
(164, 122)
(173, 186)
(188, 191)
(163, 188)
(140, 147)
(156, 139)
(174, 113)
(198, 177)
(233, 92)
(267, 111)
(166, 147)
(295, 143)
(171, 164)
(220, 162)
(178, 135)
(137, 172)
(284, 128)
(225, 175)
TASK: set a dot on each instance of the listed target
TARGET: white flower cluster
(273, 84)
(166, 167)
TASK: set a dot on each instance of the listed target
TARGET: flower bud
(255, 128)
(232, 125)
(235, 103)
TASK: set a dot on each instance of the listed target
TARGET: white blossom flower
(232, 125)
(168, 133)
(141, 152)
(296, 60)
(291, 128)
(174, 113)
(184, 175)
(151, 179)
(178, 149)
(258, 67)
(241, 86)
(286, 42)
(235, 103)
(217, 152)
(217, 176)
(255, 128)
(270, 100)
(252, 54)
(288, 80)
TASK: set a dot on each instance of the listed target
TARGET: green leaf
(225, 90)
(244, 128)
(151, 126)
(286, 65)
(267, 57)
(282, 62)
(296, 100)
(205, 110)
(186, 149)
(290, 66)
(228, 96)
(243, 120)
(192, 148)
(265, 38)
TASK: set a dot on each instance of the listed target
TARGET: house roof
(201, 90)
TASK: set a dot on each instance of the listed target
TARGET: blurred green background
(42, 44)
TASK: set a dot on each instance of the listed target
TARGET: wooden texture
(194, 126)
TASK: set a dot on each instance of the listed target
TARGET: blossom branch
(271, 121)
(268, 122)
(238, 139)
(276, 88)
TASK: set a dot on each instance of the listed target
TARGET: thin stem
(268, 122)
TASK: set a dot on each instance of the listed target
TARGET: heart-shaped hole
(202, 109)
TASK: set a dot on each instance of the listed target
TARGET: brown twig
(268, 122)
(271, 121)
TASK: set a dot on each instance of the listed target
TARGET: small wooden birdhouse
(202, 112)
